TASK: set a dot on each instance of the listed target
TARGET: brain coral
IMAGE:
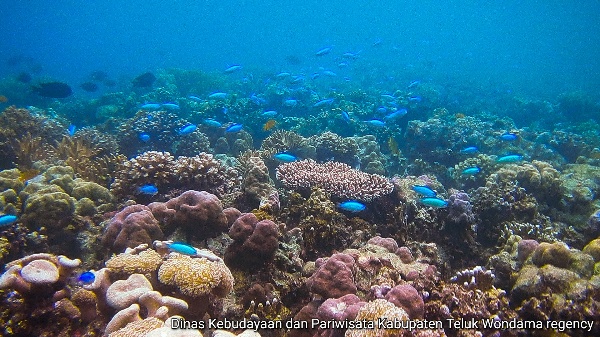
(132, 226)
(196, 277)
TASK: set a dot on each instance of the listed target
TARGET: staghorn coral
(196, 277)
(338, 179)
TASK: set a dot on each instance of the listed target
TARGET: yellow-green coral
(145, 262)
(196, 277)
(374, 310)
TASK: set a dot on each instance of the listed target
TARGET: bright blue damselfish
(187, 129)
(511, 158)
(509, 136)
(470, 171)
(424, 190)
(212, 123)
(234, 128)
(87, 277)
(7, 220)
(470, 150)
(144, 137)
(285, 157)
(148, 189)
(352, 206)
(376, 122)
(434, 202)
(182, 248)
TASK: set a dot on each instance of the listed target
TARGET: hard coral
(198, 214)
(334, 277)
(196, 277)
(132, 226)
(338, 179)
(254, 242)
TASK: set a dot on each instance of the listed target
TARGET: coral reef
(338, 179)
(254, 242)
(130, 227)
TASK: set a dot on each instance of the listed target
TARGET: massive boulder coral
(254, 242)
(197, 214)
(132, 226)
(338, 179)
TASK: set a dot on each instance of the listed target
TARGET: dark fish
(292, 59)
(89, 86)
(98, 76)
(144, 80)
(53, 89)
(24, 77)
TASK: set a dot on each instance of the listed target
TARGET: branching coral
(338, 179)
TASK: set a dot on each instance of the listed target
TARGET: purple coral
(460, 211)
(199, 214)
(132, 226)
(333, 277)
(254, 242)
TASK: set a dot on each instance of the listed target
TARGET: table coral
(338, 179)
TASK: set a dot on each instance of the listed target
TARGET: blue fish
(376, 122)
(150, 106)
(218, 95)
(8, 219)
(346, 116)
(352, 206)
(509, 136)
(414, 84)
(232, 69)
(187, 129)
(415, 99)
(71, 130)
(388, 97)
(297, 79)
(257, 100)
(148, 189)
(182, 248)
(323, 102)
(381, 110)
(270, 113)
(170, 106)
(235, 127)
(434, 202)
(212, 123)
(323, 51)
(285, 157)
(290, 102)
(195, 98)
(396, 114)
(424, 190)
(87, 278)
(144, 137)
(470, 150)
(471, 171)
(283, 75)
(329, 73)
(314, 76)
(511, 158)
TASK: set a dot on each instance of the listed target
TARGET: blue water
(546, 47)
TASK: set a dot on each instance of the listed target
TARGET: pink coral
(197, 213)
(338, 179)
(132, 226)
(254, 242)
(406, 297)
(333, 278)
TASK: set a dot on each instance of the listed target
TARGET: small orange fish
(28, 174)
(269, 124)
(3, 99)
